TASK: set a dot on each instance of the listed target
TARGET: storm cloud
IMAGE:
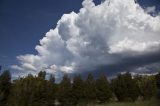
(114, 36)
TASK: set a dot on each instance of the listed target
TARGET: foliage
(158, 80)
(64, 93)
(32, 91)
(37, 91)
(103, 91)
(125, 88)
(90, 89)
(78, 89)
(5, 83)
(157, 77)
(42, 74)
(147, 86)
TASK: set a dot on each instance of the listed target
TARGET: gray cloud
(113, 36)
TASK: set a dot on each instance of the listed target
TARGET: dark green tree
(125, 87)
(158, 80)
(22, 91)
(51, 90)
(158, 85)
(64, 93)
(78, 89)
(42, 74)
(5, 84)
(103, 90)
(32, 91)
(147, 87)
(90, 89)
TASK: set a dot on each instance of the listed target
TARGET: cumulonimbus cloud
(98, 35)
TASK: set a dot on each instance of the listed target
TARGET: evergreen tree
(22, 91)
(78, 89)
(5, 84)
(64, 95)
(158, 80)
(32, 91)
(103, 90)
(51, 91)
(42, 74)
(147, 86)
(36, 91)
(158, 85)
(125, 88)
(90, 89)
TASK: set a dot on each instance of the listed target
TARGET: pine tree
(90, 89)
(78, 89)
(22, 91)
(31, 91)
(158, 85)
(147, 86)
(5, 84)
(125, 88)
(118, 87)
(42, 74)
(51, 90)
(158, 80)
(64, 95)
(103, 90)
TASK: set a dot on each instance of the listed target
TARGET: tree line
(37, 91)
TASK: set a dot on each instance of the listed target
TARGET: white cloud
(134, 47)
(86, 40)
(150, 9)
(16, 67)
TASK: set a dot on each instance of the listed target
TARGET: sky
(76, 36)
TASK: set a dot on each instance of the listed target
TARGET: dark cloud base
(127, 64)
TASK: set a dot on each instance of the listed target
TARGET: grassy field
(138, 103)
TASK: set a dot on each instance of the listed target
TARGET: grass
(137, 103)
